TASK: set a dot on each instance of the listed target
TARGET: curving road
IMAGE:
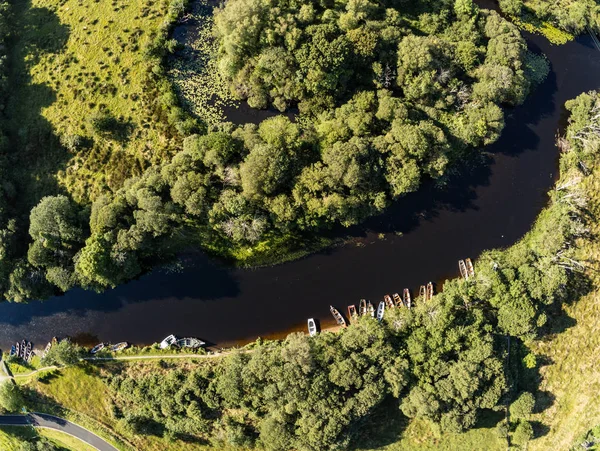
(42, 420)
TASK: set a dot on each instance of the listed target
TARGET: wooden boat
(363, 307)
(28, 351)
(18, 349)
(189, 342)
(380, 310)
(48, 347)
(99, 347)
(398, 300)
(312, 327)
(370, 309)
(429, 291)
(168, 341)
(23, 349)
(338, 317)
(463, 269)
(388, 301)
(422, 293)
(470, 269)
(352, 312)
(119, 346)
(406, 296)
(13, 350)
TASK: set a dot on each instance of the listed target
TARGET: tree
(522, 434)
(63, 353)
(522, 407)
(11, 396)
(511, 7)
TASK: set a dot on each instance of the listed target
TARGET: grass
(530, 23)
(66, 441)
(18, 366)
(74, 61)
(12, 438)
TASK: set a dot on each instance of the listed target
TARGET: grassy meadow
(77, 67)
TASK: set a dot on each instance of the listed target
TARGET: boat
(168, 341)
(99, 347)
(190, 342)
(363, 307)
(23, 349)
(18, 349)
(380, 310)
(398, 300)
(429, 291)
(352, 312)
(312, 327)
(338, 317)
(48, 346)
(370, 309)
(119, 346)
(463, 269)
(422, 293)
(406, 296)
(388, 301)
(28, 351)
(13, 350)
(470, 269)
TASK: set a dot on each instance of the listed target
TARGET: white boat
(470, 269)
(312, 327)
(119, 346)
(380, 310)
(462, 267)
(48, 346)
(190, 343)
(99, 347)
(168, 341)
(370, 309)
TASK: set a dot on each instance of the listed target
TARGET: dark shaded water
(491, 207)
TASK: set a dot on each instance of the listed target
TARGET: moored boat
(470, 269)
(119, 346)
(463, 269)
(422, 293)
(397, 300)
(99, 347)
(190, 342)
(388, 301)
(312, 327)
(363, 307)
(406, 296)
(352, 312)
(429, 291)
(338, 317)
(380, 310)
(168, 341)
(23, 349)
(28, 355)
(48, 347)
(370, 309)
(18, 349)
(13, 350)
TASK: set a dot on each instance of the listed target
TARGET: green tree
(11, 396)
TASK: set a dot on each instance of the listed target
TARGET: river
(419, 239)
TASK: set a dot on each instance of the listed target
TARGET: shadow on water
(486, 204)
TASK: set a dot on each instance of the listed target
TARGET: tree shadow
(384, 426)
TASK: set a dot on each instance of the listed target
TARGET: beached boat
(18, 349)
(422, 293)
(48, 347)
(119, 346)
(380, 310)
(363, 307)
(429, 291)
(99, 347)
(370, 309)
(168, 341)
(28, 351)
(352, 312)
(13, 350)
(190, 342)
(406, 296)
(312, 327)
(338, 317)
(463, 269)
(470, 269)
(398, 300)
(388, 301)
(23, 349)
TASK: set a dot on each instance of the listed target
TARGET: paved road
(51, 422)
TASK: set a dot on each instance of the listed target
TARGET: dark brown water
(490, 206)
